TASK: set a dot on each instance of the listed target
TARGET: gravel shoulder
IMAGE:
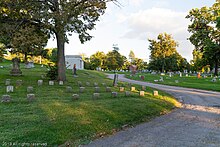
(197, 123)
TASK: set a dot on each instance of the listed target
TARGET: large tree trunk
(60, 56)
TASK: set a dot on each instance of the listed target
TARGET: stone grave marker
(51, 83)
(40, 82)
(7, 82)
(69, 89)
(61, 82)
(155, 93)
(81, 89)
(30, 89)
(6, 98)
(31, 97)
(141, 93)
(180, 74)
(132, 88)
(79, 83)
(127, 93)
(143, 88)
(10, 89)
(176, 81)
(114, 94)
(96, 95)
(121, 89)
(18, 82)
(214, 80)
(96, 84)
(87, 84)
(75, 96)
(97, 89)
(108, 89)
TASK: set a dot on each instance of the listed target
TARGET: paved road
(196, 124)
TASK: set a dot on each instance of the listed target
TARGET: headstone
(95, 95)
(176, 81)
(180, 74)
(81, 89)
(132, 88)
(74, 70)
(155, 93)
(30, 97)
(29, 64)
(51, 83)
(69, 89)
(198, 75)
(170, 74)
(40, 82)
(97, 89)
(141, 93)
(10, 88)
(156, 80)
(115, 80)
(127, 93)
(16, 68)
(79, 83)
(187, 75)
(142, 78)
(96, 84)
(75, 96)
(143, 88)
(87, 84)
(7, 82)
(214, 80)
(161, 79)
(30, 89)
(42, 76)
(108, 89)
(18, 82)
(114, 94)
(60, 82)
(6, 98)
(121, 89)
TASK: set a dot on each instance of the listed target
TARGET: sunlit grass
(54, 118)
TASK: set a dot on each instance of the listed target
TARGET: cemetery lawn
(188, 82)
(55, 119)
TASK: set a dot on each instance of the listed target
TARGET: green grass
(190, 82)
(55, 119)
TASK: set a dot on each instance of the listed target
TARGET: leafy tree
(163, 53)
(58, 17)
(114, 60)
(131, 56)
(141, 65)
(97, 60)
(205, 32)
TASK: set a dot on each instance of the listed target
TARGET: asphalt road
(196, 124)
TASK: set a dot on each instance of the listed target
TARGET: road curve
(196, 124)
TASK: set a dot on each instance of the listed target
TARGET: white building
(74, 59)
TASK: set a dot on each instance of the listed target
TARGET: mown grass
(189, 82)
(55, 119)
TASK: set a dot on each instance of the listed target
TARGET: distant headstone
(114, 94)
(96, 84)
(29, 64)
(87, 84)
(16, 67)
(132, 88)
(121, 89)
(6, 99)
(214, 80)
(69, 89)
(142, 78)
(161, 79)
(198, 75)
(155, 93)
(108, 89)
(51, 83)
(141, 93)
(97, 89)
(10, 88)
(127, 93)
(180, 74)
(40, 82)
(81, 89)
(176, 81)
(187, 75)
(75, 96)
(79, 83)
(143, 88)
(30, 97)
(61, 82)
(30, 89)
(18, 82)
(7, 82)
(170, 74)
(95, 95)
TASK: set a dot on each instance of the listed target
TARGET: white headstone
(60, 82)
(40, 82)
(10, 88)
(51, 83)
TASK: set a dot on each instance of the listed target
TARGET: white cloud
(135, 2)
(149, 23)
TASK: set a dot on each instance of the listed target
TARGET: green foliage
(114, 60)
(164, 56)
(206, 33)
(52, 73)
(131, 56)
(98, 60)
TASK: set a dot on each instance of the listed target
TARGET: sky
(133, 23)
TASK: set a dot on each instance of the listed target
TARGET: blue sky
(131, 25)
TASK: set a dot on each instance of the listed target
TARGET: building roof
(73, 56)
